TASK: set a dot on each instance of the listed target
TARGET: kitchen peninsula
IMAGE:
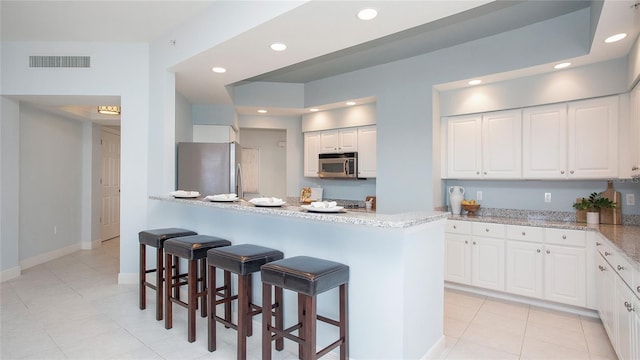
(396, 265)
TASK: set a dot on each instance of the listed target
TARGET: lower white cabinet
(605, 296)
(457, 253)
(524, 268)
(487, 263)
(565, 275)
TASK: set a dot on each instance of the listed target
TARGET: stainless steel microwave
(341, 165)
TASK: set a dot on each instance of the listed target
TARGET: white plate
(185, 194)
(222, 198)
(267, 202)
(335, 209)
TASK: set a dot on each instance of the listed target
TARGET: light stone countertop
(350, 216)
(626, 238)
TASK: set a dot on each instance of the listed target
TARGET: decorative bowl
(471, 208)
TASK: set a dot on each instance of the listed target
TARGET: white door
(502, 145)
(311, 150)
(565, 278)
(348, 140)
(457, 258)
(110, 185)
(544, 142)
(524, 268)
(487, 263)
(464, 147)
(329, 141)
(367, 151)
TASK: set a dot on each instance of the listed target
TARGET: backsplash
(562, 216)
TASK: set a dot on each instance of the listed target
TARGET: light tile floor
(73, 308)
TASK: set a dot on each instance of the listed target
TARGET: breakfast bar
(396, 265)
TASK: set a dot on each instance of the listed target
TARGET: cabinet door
(348, 140)
(593, 138)
(636, 327)
(502, 145)
(487, 263)
(328, 141)
(367, 152)
(635, 134)
(311, 150)
(464, 159)
(457, 258)
(524, 270)
(625, 320)
(605, 292)
(565, 275)
(544, 142)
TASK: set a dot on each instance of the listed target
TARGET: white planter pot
(593, 218)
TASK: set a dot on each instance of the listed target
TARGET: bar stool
(194, 249)
(308, 277)
(156, 239)
(242, 260)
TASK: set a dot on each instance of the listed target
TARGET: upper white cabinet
(311, 151)
(593, 138)
(544, 142)
(367, 151)
(339, 140)
(635, 133)
(485, 146)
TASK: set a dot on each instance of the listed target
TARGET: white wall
(9, 188)
(357, 115)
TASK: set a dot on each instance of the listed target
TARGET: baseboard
(436, 349)
(91, 245)
(525, 300)
(10, 274)
(51, 255)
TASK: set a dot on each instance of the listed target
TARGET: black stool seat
(305, 274)
(156, 237)
(242, 259)
(194, 249)
(194, 246)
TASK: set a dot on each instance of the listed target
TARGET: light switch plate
(478, 195)
(547, 197)
(631, 199)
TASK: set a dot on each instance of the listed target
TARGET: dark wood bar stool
(194, 250)
(308, 277)
(155, 238)
(242, 260)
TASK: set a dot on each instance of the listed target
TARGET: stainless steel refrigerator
(210, 168)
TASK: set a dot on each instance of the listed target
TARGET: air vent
(59, 61)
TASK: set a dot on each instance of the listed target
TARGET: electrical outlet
(478, 195)
(631, 199)
(547, 197)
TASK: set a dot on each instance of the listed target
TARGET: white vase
(593, 217)
(456, 195)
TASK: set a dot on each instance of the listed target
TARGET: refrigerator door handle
(239, 186)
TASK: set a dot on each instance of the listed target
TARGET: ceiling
(333, 41)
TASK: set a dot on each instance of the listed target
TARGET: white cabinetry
(311, 151)
(634, 137)
(544, 142)
(485, 146)
(339, 140)
(457, 252)
(593, 138)
(524, 271)
(367, 151)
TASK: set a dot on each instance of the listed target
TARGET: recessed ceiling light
(475, 82)
(562, 65)
(262, 111)
(367, 14)
(218, 70)
(614, 38)
(278, 47)
(350, 103)
(314, 110)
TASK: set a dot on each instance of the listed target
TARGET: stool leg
(279, 315)
(203, 287)
(168, 321)
(143, 276)
(227, 294)
(309, 328)
(176, 272)
(192, 300)
(344, 321)
(244, 285)
(159, 283)
(301, 314)
(249, 291)
(211, 299)
(266, 321)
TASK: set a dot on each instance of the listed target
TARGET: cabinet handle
(571, 172)
(602, 268)
(548, 252)
(466, 241)
(487, 230)
(562, 172)
(564, 237)
(635, 168)
(606, 253)
(454, 227)
(477, 172)
(538, 250)
(474, 243)
(524, 233)
(628, 306)
(638, 289)
(598, 244)
(485, 173)
(620, 267)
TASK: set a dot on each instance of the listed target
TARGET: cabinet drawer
(565, 237)
(605, 250)
(488, 229)
(624, 269)
(525, 233)
(458, 227)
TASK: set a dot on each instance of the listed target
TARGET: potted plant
(581, 205)
(594, 204)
